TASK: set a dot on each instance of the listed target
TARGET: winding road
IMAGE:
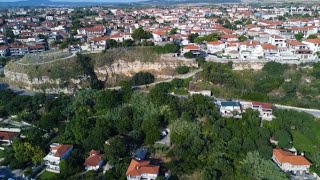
(183, 76)
(314, 112)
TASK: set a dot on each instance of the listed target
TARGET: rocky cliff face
(121, 67)
(108, 73)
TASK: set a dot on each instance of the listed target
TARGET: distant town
(210, 91)
(233, 32)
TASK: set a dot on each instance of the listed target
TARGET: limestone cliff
(109, 74)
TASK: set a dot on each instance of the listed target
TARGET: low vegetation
(203, 143)
(276, 83)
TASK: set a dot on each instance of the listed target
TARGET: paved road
(184, 76)
(314, 112)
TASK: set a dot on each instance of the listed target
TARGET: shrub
(182, 69)
(189, 55)
(142, 78)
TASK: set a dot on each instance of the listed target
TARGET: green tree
(140, 33)
(253, 166)
(312, 36)
(189, 55)
(243, 38)
(192, 37)
(142, 78)
(116, 148)
(284, 138)
(299, 36)
(182, 69)
(173, 31)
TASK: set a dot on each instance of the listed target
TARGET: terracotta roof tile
(136, 168)
(288, 157)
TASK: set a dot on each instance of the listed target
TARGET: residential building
(19, 50)
(195, 49)
(313, 44)
(4, 51)
(57, 153)
(290, 162)
(230, 108)
(94, 161)
(6, 137)
(277, 41)
(265, 110)
(98, 43)
(159, 36)
(142, 170)
(215, 46)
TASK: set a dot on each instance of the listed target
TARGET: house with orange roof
(229, 38)
(313, 44)
(300, 49)
(98, 43)
(264, 109)
(57, 153)
(290, 162)
(142, 170)
(250, 50)
(159, 35)
(215, 46)
(94, 161)
(195, 49)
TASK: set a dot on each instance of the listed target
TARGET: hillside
(277, 83)
(49, 71)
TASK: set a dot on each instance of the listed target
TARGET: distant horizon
(79, 0)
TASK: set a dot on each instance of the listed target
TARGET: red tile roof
(94, 158)
(314, 41)
(288, 157)
(263, 105)
(215, 43)
(294, 42)
(192, 47)
(136, 168)
(8, 136)
(61, 149)
(268, 46)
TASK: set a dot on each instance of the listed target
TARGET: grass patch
(46, 175)
(301, 141)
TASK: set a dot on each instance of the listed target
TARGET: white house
(264, 109)
(250, 50)
(57, 153)
(277, 41)
(142, 170)
(195, 49)
(300, 50)
(313, 44)
(230, 108)
(289, 162)
(98, 43)
(215, 46)
(159, 36)
(94, 161)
